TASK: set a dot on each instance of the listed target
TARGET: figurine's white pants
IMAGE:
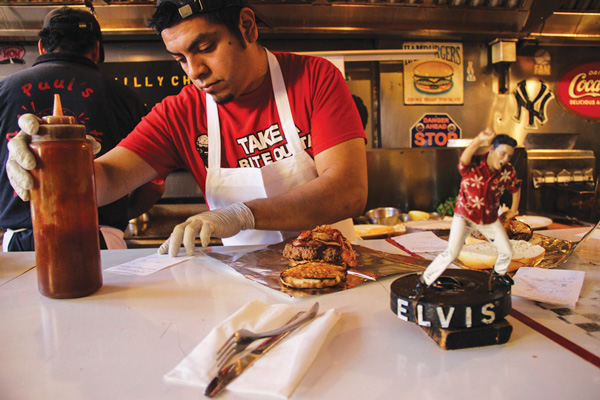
(459, 230)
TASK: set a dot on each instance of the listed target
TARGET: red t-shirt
(480, 189)
(174, 134)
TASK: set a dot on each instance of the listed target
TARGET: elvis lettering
(444, 315)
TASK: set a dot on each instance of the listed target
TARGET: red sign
(578, 90)
(434, 130)
(14, 51)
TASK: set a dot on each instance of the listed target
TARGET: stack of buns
(478, 253)
(318, 258)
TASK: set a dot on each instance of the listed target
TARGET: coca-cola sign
(578, 90)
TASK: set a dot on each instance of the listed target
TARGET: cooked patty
(315, 250)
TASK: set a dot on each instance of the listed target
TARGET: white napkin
(279, 371)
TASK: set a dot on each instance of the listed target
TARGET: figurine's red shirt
(480, 189)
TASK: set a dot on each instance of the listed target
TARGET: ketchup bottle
(63, 209)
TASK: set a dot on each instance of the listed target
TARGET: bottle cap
(59, 126)
(57, 116)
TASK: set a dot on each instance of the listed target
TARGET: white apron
(225, 186)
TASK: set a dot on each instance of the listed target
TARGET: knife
(230, 372)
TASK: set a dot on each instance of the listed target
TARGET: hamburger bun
(471, 239)
(313, 275)
(482, 255)
(433, 77)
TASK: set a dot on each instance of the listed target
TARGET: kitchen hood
(545, 21)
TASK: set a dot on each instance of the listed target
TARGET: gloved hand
(222, 223)
(21, 158)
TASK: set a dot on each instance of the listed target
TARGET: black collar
(66, 57)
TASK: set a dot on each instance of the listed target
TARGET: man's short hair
(503, 139)
(223, 12)
(71, 30)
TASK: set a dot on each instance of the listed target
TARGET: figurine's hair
(503, 139)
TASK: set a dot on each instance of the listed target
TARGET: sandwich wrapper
(279, 371)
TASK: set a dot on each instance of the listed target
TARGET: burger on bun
(433, 77)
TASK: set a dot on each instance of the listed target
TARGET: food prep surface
(120, 342)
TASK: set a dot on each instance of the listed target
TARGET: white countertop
(119, 342)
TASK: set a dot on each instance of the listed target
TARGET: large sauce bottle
(63, 209)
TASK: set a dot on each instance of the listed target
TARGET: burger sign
(433, 77)
(437, 81)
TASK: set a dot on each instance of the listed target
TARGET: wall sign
(532, 97)
(434, 130)
(578, 90)
(153, 80)
(12, 54)
(541, 64)
(438, 81)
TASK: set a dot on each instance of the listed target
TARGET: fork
(242, 338)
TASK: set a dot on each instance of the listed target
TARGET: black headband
(187, 8)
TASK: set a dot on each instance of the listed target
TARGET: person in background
(484, 179)
(71, 47)
(273, 139)
(362, 110)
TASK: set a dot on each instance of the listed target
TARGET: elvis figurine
(484, 178)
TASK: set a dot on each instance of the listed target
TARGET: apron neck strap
(214, 133)
(283, 108)
(283, 105)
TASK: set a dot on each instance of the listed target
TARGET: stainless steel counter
(154, 227)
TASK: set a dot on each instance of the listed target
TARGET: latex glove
(96, 146)
(21, 159)
(222, 223)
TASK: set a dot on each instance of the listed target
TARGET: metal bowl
(383, 216)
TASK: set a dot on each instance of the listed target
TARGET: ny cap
(71, 19)
(187, 8)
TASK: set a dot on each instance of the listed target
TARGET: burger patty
(514, 228)
(314, 251)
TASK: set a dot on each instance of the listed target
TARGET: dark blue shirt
(108, 109)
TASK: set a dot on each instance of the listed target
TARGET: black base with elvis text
(458, 310)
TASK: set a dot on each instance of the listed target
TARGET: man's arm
(339, 192)
(143, 198)
(483, 138)
(118, 173)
